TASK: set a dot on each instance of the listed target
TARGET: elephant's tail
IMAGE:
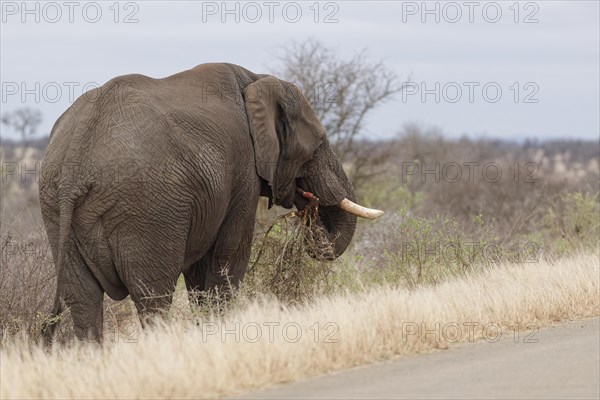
(67, 205)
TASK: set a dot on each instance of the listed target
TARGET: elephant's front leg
(219, 272)
(195, 280)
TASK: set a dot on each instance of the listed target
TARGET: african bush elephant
(145, 179)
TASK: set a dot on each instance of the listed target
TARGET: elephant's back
(136, 114)
(137, 123)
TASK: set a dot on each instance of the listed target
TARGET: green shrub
(571, 223)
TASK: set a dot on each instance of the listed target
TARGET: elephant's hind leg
(151, 304)
(83, 295)
(150, 270)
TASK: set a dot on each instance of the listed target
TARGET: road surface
(564, 363)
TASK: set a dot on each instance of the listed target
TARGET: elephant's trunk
(339, 224)
(339, 227)
(338, 210)
(340, 221)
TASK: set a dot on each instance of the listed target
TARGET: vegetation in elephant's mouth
(291, 260)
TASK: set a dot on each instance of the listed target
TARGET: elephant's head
(292, 151)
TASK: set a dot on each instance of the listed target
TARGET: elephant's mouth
(303, 198)
(337, 224)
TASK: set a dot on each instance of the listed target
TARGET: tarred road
(563, 364)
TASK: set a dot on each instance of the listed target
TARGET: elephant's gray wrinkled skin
(145, 179)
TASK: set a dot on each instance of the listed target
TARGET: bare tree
(343, 93)
(24, 121)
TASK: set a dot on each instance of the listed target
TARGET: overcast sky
(530, 70)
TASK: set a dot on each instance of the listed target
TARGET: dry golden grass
(183, 360)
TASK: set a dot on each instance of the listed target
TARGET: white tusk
(358, 210)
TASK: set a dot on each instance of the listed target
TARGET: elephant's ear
(263, 107)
